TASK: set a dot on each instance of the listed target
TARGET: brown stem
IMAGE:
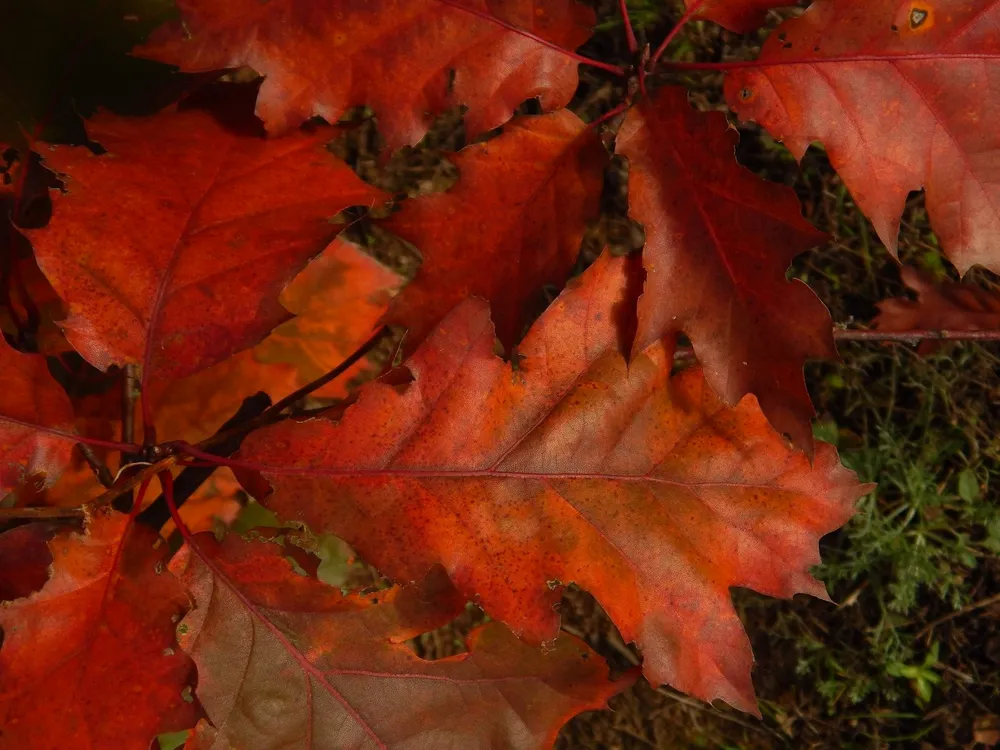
(336, 372)
(914, 336)
(99, 467)
(39, 514)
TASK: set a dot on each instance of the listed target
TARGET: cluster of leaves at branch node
(163, 267)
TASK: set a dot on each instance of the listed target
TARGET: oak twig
(100, 468)
(43, 513)
(914, 336)
(189, 480)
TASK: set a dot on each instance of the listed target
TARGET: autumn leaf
(36, 420)
(512, 224)
(337, 299)
(406, 59)
(898, 93)
(24, 561)
(330, 671)
(90, 660)
(939, 307)
(170, 249)
(737, 15)
(645, 491)
(719, 241)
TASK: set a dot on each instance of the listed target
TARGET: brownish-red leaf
(646, 491)
(170, 249)
(24, 560)
(738, 15)
(36, 420)
(407, 59)
(900, 94)
(330, 671)
(90, 661)
(718, 243)
(939, 307)
(512, 224)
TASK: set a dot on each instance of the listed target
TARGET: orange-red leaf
(718, 243)
(512, 224)
(900, 93)
(170, 249)
(36, 420)
(337, 300)
(407, 59)
(646, 491)
(939, 307)
(329, 671)
(90, 661)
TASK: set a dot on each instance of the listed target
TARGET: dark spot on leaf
(895, 28)
(917, 17)
(745, 94)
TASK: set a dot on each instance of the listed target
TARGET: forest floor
(908, 655)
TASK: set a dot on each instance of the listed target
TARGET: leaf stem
(534, 37)
(633, 44)
(681, 23)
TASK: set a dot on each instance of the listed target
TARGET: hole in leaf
(918, 16)
(745, 94)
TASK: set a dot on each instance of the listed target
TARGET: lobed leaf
(939, 307)
(88, 661)
(286, 661)
(742, 16)
(512, 224)
(406, 59)
(645, 490)
(719, 241)
(898, 92)
(171, 248)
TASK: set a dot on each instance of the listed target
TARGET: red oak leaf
(407, 59)
(330, 671)
(738, 15)
(646, 491)
(939, 307)
(170, 249)
(36, 420)
(898, 92)
(718, 243)
(90, 660)
(512, 224)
